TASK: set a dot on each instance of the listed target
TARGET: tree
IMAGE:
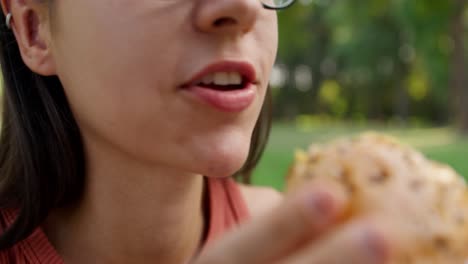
(389, 58)
(459, 91)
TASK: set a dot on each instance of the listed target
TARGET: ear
(30, 25)
(5, 6)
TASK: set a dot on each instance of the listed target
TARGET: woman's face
(146, 77)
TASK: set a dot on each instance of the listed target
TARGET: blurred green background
(347, 66)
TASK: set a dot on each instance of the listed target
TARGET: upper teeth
(223, 78)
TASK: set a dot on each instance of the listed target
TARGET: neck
(131, 213)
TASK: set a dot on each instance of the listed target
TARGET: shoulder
(13, 254)
(7, 257)
(260, 199)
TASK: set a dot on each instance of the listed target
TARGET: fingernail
(375, 245)
(321, 206)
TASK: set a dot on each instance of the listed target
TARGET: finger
(360, 243)
(304, 216)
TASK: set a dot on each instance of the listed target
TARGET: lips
(225, 86)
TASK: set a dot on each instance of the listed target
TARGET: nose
(226, 16)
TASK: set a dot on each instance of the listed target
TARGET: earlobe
(33, 37)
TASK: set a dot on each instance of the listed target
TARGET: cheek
(117, 43)
(113, 69)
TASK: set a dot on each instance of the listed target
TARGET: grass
(441, 144)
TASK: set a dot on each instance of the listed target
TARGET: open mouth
(225, 86)
(223, 81)
(224, 76)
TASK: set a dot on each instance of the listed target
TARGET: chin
(223, 160)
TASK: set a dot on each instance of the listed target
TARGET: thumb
(303, 217)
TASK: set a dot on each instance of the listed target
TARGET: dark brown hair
(42, 162)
